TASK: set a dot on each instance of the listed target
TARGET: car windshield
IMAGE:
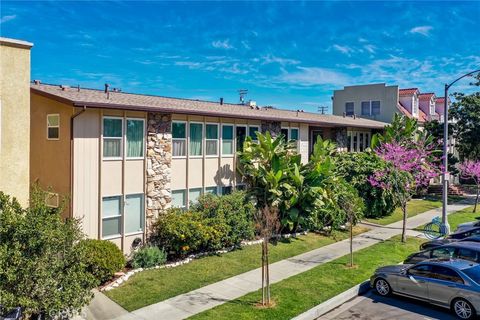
(473, 273)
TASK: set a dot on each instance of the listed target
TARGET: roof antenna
(242, 93)
(106, 90)
(322, 109)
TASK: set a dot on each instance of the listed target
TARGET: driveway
(374, 307)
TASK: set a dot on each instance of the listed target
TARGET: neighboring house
(15, 118)
(122, 159)
(380, 102)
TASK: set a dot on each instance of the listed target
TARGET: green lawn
(414, 207)
(465, 215)
(302, 292)
(157, 285)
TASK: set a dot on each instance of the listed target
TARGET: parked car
(467, 225)
(468, 250)
(472, 233)
(449, 283)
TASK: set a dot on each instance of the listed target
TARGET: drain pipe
(72, 118)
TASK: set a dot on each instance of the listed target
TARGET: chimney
(221, 101)
(344, 114)
(252, 103)
(106, 90)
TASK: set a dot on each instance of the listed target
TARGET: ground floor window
(194, 194)
(179, 198)
(111, 216)
(226, 190)
(358, 141)
(212, 190)
(131, 209)
(134, 213)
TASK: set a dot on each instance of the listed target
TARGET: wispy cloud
(7, 18)
(343, 49)
(222, 44)
(270, 58)
(423, 30)
(313, 76)
(370, 48)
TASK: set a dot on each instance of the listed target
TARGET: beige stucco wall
(387, 95)
(15, 119)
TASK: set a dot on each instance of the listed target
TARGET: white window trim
(185, 139)
(218, 140)
(203, 140)
(57, 126)
(122, 206)
(228, 155)
(126, 139)
(119, 138)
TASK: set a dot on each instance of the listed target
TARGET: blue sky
(287, 54)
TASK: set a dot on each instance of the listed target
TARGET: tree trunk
(351, 242)
(267, 273)
(263, 272)
(476, 199)
(404, 226)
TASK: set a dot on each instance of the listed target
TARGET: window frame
(121, 138)
(202, 140)
(202, 191)
(143, 137)
(217, 140)
(248, 133)
(57, 126)
(185, 202)
(241, 125)
(122, 204)
(210, 187)
(379, 108)
(142, 216)
(369, 108)
(184, 139)
(228, 155)
(345, 108)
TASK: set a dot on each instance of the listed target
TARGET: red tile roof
(408, 91)
(422, 116)
(426, 96)
(440, 99)
(404, 110)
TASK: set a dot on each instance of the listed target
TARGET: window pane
(193, 194)
(53, 133)
(196, 135)
(134, 213)
(212, 190)
(366, 108)
(349, 108)
(178, 198)
(293, 134)
(111, 206)
(179, 130)
(227, 132)
(211, 147)
(135, 138)
(227, 147)
(112, 147)
(112, 127)
(360, 140)
(179, 147)
(252, 132)
(211, 131)
(375, 108)
(111, 227)
(227, 190)
(53, 120)
(241, 135)
(284, 133)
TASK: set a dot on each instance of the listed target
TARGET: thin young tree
(471, 170)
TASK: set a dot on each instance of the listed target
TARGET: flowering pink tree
(409, 168)
(471, 170)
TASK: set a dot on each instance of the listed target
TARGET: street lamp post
(445, 174)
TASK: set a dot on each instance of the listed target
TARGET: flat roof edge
(15, 43)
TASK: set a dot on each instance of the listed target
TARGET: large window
(227, 140)
(211, 139)
(134, 213)
(111, 216)
(349, 109)
(196, 137)
(365, 108)
(194, 194)
(252, 132)
(179, 198)
(135, 138)
(53, 126)
(375, 108)
(179, 139)
(112, 137)
(241, 134)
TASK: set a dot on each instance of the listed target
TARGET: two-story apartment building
(380, 102)
(122, 159)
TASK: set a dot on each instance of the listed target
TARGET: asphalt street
(374, 307)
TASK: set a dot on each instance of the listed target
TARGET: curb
(334, 302)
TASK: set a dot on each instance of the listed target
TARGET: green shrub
(41, 265)
(102, 258)
(147, 257)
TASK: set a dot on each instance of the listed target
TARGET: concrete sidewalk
(191, 303)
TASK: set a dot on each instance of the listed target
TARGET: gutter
(72, 118)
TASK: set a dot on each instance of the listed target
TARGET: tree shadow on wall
(224, 173)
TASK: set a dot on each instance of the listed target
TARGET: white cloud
(7, 18)
(270, 58)
(343, 49)
(423, 30)
(370, 48)
(313, 76)
(222, 44)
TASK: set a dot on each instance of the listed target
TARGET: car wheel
(463, 309)
(382, 287)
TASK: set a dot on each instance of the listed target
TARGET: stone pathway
(191, 303)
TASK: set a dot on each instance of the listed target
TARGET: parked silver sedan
(450, 283)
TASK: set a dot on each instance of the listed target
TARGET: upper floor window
(53, 126)
(135, 138)
(179, 139)
(112, 137)
(211, 139)
(366, 108)
(432, 107)
(375, 108)
(227, 139)
(415, 106)
(196, 136)
(349, 109)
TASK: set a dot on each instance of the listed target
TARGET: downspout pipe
(72, 118)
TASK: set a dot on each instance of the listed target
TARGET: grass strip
(156, 285)
(302, 292)
(414, 207)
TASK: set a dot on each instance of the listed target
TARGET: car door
(444, 284)
(414, 281)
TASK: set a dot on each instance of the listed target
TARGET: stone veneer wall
(159, 166)
(274, 127)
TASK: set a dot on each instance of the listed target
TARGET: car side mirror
(403, 272)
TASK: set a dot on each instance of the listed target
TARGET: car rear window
(473, 273)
